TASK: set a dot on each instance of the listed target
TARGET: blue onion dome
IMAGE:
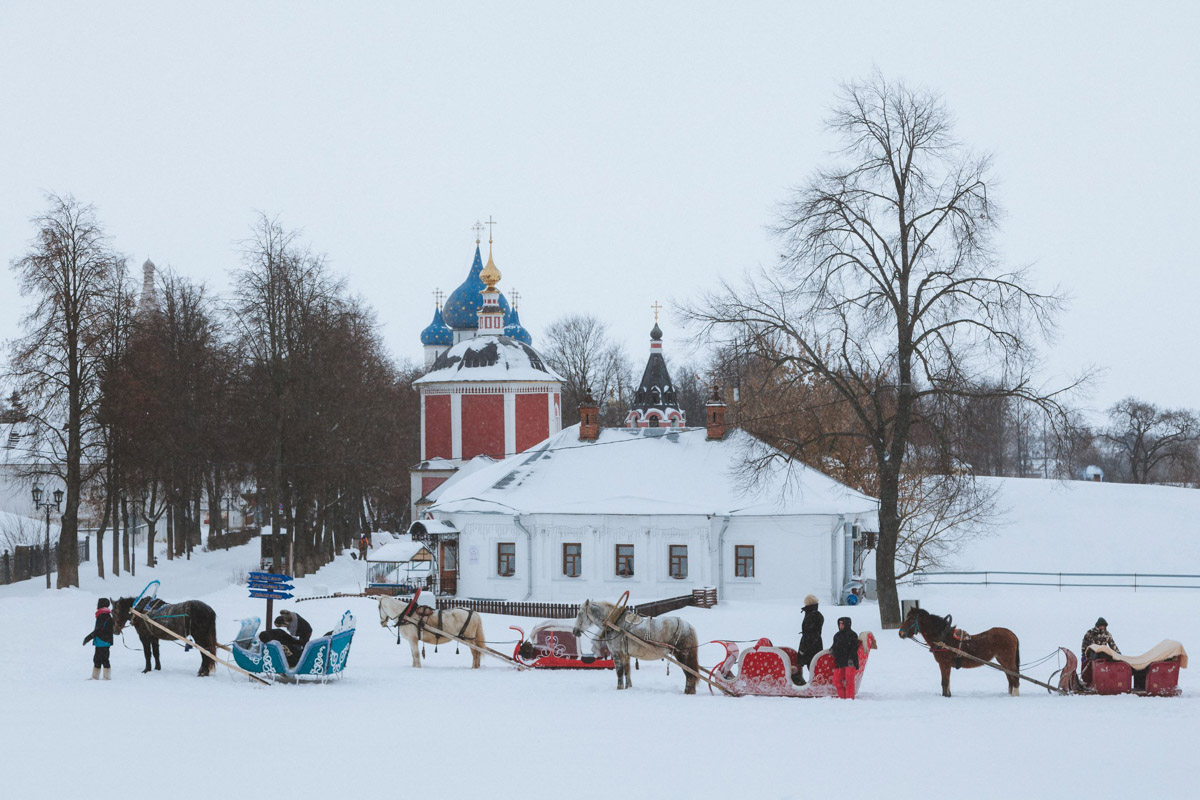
(462, 306)
(514, 330)
(438, 333)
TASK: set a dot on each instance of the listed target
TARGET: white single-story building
(590, 513)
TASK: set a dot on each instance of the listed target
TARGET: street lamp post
(56, 505)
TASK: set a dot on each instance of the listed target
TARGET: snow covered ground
(386, 729)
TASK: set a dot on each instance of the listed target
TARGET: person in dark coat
(810, 639)
(292, 631)
(845, 658)
(102, 637)
(1097, 635)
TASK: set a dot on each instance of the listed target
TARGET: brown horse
(1000, 644)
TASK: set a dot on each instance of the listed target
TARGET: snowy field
(386, 729)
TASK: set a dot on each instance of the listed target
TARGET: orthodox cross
(478, 228)
(656, 307)
(437, 297)
(490, 223)
(516, 298)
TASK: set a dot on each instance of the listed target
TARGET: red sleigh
(552, 645)
(765, 669)
(1153, 673)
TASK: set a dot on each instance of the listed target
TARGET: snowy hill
(494, 732)
(1076, 526)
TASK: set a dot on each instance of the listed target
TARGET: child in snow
(845, 658)
(102, 637)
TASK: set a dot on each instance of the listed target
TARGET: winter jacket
(845, 646)
(1097, 636)
(810, 631)
(299, 628)
(102, 634)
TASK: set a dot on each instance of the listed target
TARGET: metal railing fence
(1060, 580)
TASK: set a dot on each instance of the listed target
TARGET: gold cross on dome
(490, 223)
(478, 229)
(656, 308)
(437, 297)
(516, 298)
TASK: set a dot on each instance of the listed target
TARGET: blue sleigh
(324, 657)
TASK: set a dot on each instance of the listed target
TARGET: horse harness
(423, 617)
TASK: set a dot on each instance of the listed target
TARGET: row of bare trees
(281, 394)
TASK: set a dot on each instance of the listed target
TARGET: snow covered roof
(489, 358)
(470, 468)
(398, 552)
(648, 471)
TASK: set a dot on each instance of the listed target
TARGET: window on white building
(573, 560)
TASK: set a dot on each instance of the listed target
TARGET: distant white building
(658, 511)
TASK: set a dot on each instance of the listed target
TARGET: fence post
(7, 572)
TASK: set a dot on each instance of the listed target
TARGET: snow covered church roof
(648, 471)
(489, 358)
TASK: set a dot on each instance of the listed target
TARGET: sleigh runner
(765, 669)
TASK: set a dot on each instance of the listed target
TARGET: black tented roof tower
(656, 404)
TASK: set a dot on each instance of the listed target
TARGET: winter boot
(108, 673)
(95, 674)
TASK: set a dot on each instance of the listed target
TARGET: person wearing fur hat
(1097, 635)
(810, 639)
(102, 637)
(845, 659)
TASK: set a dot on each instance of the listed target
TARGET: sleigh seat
(323, 657)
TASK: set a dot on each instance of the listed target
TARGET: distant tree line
(278, 393)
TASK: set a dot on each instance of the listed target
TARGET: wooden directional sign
(270, 595)
(271, 587)
(269, 577)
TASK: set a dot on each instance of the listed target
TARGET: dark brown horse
(191, 618)
(995, 643)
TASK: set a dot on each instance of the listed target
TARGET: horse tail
(205, 634)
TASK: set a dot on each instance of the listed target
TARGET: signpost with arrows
(270, 586)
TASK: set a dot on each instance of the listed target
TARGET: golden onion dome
(490, 275)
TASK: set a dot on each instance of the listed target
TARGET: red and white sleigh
(552, 645)
(765, 669)
(1153, 673)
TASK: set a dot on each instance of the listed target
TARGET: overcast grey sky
(630, 152)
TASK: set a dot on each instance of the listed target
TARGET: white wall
(794, 556)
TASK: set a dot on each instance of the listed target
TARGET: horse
(666, 636)
(190, 618)
(1000, 644)
(464, 623)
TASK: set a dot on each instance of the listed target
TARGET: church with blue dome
(486, 391)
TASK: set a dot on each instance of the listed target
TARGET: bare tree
(68, 273)
(1147, 437)
(890, 293)
(578, 347)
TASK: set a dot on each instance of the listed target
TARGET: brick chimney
(715, 416)
(589, 419)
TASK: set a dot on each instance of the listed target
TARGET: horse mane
(941, 623)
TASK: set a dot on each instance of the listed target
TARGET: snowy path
(546, 733)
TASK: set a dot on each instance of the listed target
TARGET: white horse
(665, 636)
(461, 622)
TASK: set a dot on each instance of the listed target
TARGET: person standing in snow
(845, 658)
(1097, 635)
(810, 639)
(292, 631)
(364, 544)
(102, 637)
